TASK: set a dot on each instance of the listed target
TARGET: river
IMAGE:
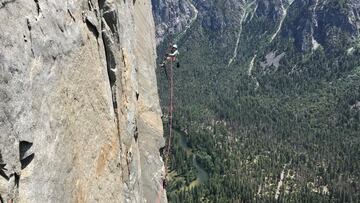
(201, 175)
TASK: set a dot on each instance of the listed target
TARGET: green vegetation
(302, 121)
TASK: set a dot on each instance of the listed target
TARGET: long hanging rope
(171, 95)
(168, 146)
(171, 100)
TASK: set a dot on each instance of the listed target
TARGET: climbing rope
(171, 95)
(168, 146)
(170, 112)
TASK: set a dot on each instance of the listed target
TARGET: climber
(171, 56)
(174, 53)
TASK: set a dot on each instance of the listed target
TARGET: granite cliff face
(79, 109)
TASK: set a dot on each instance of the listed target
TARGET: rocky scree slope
(173, 16)
(79, 110)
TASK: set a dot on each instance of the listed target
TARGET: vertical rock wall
(79, 110)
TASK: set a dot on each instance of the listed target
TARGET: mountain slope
(267, 98)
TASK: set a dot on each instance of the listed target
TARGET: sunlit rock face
(79, 109)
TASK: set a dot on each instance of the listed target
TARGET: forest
(282, 134)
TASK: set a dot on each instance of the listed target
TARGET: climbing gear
(164, 183)
(175, 46)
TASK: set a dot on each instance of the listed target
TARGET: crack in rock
(3, 4)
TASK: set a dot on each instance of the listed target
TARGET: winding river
(201, 175)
